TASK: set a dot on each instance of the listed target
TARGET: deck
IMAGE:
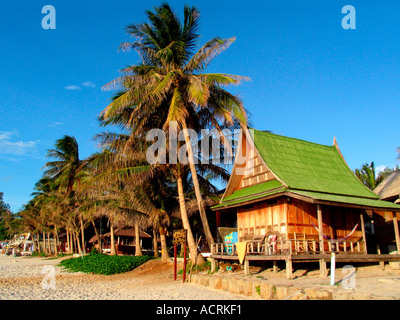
(292, 250)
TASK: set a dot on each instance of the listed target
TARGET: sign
(179, 237)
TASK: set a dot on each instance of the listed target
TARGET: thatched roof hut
(389, 188)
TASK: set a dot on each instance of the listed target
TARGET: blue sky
(310, 78)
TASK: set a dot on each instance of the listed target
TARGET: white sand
(21, 278)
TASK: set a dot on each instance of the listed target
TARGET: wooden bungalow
(298, 201)
(124, 240)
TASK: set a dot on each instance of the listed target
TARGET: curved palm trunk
(196, 185)
(44, 243)
(138, 249)
(57, 240)
(83, 236)
(48, 242)
(97, 235)
(186, 224)
(76, 234)
(155, 243)
(164, 249)
(113, 252)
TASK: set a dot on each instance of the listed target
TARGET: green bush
(103, 264)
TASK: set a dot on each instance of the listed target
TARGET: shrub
(103, 264)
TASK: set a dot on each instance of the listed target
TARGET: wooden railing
(290, 247)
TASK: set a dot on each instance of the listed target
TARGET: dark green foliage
(103, 264)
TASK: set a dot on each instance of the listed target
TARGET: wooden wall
(337, 222)
(262, 219)
(294, 219)
(384, 229)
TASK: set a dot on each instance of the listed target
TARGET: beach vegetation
(98, 263)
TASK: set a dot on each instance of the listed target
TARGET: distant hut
(124, 240)
(389, 188)
(298, 201)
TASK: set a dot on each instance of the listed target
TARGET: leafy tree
(170, 85)
(6, 219)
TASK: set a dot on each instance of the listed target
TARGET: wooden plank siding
(261, 219)
(295, 219)
(337, 222)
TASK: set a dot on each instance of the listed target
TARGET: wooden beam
(396, 231)
(322, 262)
(320, 230)
(363, 231)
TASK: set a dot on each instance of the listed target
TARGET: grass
(206, 266)
(98, 263)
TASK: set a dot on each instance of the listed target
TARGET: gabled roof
(390, 186)
(311, 171)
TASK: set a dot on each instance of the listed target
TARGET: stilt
(275, 266)
(289, 269)
(214, 265)
(322, 268)
(382, 265)
(246, 267)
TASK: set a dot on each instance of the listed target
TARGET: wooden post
(175, 258)
(396, 231)
(246, 267)
(184, 260)
(322, 262)
(363, 231)
(289, 269)
(275, 266)
(214, 264)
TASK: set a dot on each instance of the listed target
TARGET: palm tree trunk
(97, 235)
(56, 240)
(68, 242)
(48, 242)
(138, 249)
(155, 243)
(83, 236)
(196, 185)
(186, 224)
(113, 251)
(39, 250)
(164, 249)
(44, 243)
(78, 245)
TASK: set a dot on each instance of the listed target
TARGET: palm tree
(170, 85)
(65, 172)
(367, 175)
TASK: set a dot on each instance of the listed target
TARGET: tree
(367, 175)
(6, 219)
(169, 86)
(65, 172)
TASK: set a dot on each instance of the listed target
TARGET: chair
(271, 246)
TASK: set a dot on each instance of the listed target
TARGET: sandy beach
(21, 278)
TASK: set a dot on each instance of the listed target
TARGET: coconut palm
(368, 176)
(169, 85)
(65, 172)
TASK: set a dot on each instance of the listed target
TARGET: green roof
(251, 193)
(307, 169)
(309, 166)
(371, 203)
